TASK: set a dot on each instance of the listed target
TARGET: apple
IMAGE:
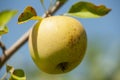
(57, 44)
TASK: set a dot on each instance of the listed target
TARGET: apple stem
(18, 44)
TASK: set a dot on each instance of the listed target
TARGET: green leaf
(15, 74)
(29, 13)
(87, 10)
(18, 74)
(3, 30)
(5, 16)
(9, 68)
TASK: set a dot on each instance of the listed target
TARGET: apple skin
(57, 44)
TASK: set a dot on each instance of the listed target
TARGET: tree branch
(18, 44)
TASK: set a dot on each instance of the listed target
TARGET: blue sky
(105, 29)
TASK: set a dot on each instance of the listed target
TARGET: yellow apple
(57, 44)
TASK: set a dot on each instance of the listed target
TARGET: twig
(2, 47)
(24, 38)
